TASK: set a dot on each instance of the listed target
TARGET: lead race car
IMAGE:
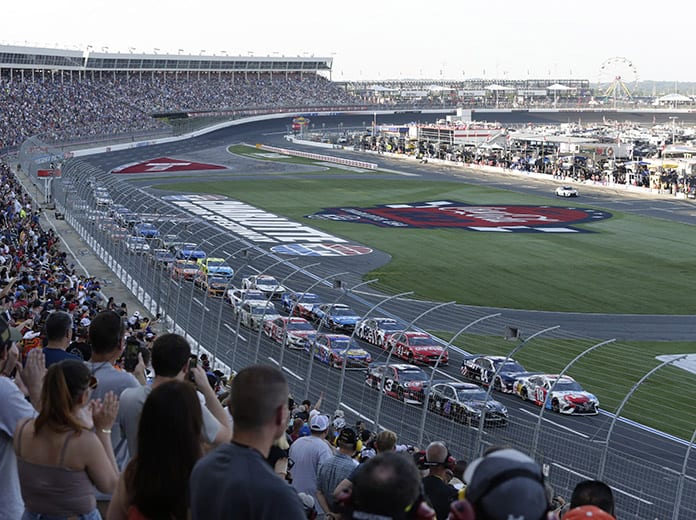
(562, 394)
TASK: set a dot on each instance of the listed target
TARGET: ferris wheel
(617, 78)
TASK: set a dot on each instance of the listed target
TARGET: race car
(214, 285)
(334, 316)
(566, 397)
(299, 303)
(161, 258)
(136, 245)
(146, 229)
(466, 402)
(335, 349)
(264, 283)
(566, 191)
(216, 266)
(237, 296)
(376, 330)
(401, 381)
(185, 269)
(252, 315)
(416, 347)
(481, 369)
(190, 251)
(292, 332)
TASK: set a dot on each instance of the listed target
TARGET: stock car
(566, 397)
(465, 402)
(335, 316)
(185, 269)
(416, 347)
(162, 258)
(264, 283)
(169, 241)
(190, 251)
(237, 296)
(136, 245)
(214, 285)
(481, 369)
(290, 331)
(566, 191)
(299, 303)
(401, 381)
(252, 315)
(376, 330)
(146, 229)
(216, 266)
(334, 349)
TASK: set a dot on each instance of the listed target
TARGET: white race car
(268, 285)
(562, 394)
(566, 191)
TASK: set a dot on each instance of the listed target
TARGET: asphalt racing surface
(643, 466)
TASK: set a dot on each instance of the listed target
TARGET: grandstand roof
(17, 57)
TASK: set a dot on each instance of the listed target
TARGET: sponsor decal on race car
(452, 214)
(165, 164)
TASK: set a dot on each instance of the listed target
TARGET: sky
(369, 40)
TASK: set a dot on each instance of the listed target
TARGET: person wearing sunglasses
(65, 452)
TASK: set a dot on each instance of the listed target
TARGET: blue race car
(299, 303)
(335, 316)
(335, 349)
(189, 251)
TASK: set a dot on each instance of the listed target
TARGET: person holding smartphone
(172, 360)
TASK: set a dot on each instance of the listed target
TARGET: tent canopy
(496, 87)
(670, 98)
(558, 86)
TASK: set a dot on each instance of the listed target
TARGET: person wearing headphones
(435, 483)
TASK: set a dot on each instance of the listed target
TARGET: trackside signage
(249, 222)
(452, 214)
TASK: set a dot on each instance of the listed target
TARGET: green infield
(609, 372)
(628, 264)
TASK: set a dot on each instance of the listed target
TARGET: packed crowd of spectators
(58, 108)
(101, 415)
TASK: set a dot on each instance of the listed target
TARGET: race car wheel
(400, 394)
(497, 385)
(555, 406)
(523, 394)
(410, 358)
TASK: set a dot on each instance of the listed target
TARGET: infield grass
(629, 264)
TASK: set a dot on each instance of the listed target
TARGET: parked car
(466, 402)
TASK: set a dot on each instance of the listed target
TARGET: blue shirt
(54, 355)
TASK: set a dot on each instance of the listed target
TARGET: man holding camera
(170, 360)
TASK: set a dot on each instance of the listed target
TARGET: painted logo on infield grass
(452, 214)
(165, 164)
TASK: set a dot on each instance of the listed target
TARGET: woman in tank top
(155, 484)
(59, 458)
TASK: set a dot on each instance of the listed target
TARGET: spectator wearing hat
(235, 480)
(505, 484)
(170, 357)
(435, 483)
(333, 470)
(58, 330)
(15, 408)
(308, 453)
(587, 513)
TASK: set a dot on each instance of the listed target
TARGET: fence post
(682, 478)
(617, 414)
